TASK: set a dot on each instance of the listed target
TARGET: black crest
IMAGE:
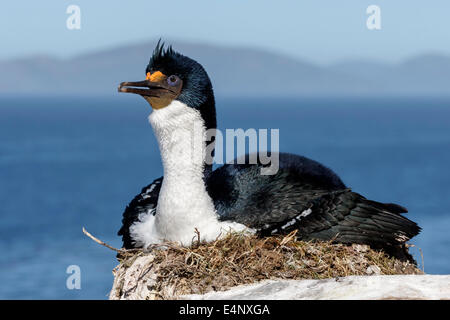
(162, 55)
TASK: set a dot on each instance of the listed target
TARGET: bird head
(171, 76)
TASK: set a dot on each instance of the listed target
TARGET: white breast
(183, 204)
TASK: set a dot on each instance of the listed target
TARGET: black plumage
(144, 202)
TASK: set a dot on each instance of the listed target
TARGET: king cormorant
(303, 195)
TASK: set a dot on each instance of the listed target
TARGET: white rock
(373, 269)
(132, 283)
(354, 287)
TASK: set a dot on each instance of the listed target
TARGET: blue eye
(173, 80)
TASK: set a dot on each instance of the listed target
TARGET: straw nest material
(169, 270)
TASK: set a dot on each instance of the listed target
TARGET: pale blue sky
(316, 30)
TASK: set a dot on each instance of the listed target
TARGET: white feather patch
(183, 204)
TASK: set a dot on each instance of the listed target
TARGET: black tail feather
(348, 217)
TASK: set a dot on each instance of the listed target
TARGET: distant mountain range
(235, 71)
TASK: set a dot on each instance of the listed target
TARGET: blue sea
(73, 162)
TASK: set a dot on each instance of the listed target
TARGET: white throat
(183, 204)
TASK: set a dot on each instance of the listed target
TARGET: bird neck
(205, 118)
(181, 135)
(183, 202)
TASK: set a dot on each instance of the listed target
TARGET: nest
(167, 271)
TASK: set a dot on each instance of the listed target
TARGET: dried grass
(241, 259)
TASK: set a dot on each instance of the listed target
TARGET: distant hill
(235, 71)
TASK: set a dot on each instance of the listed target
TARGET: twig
(103, 243)
(288, 238)
(197, 235)
(421, 254)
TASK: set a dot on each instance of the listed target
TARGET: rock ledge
(352, 287)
